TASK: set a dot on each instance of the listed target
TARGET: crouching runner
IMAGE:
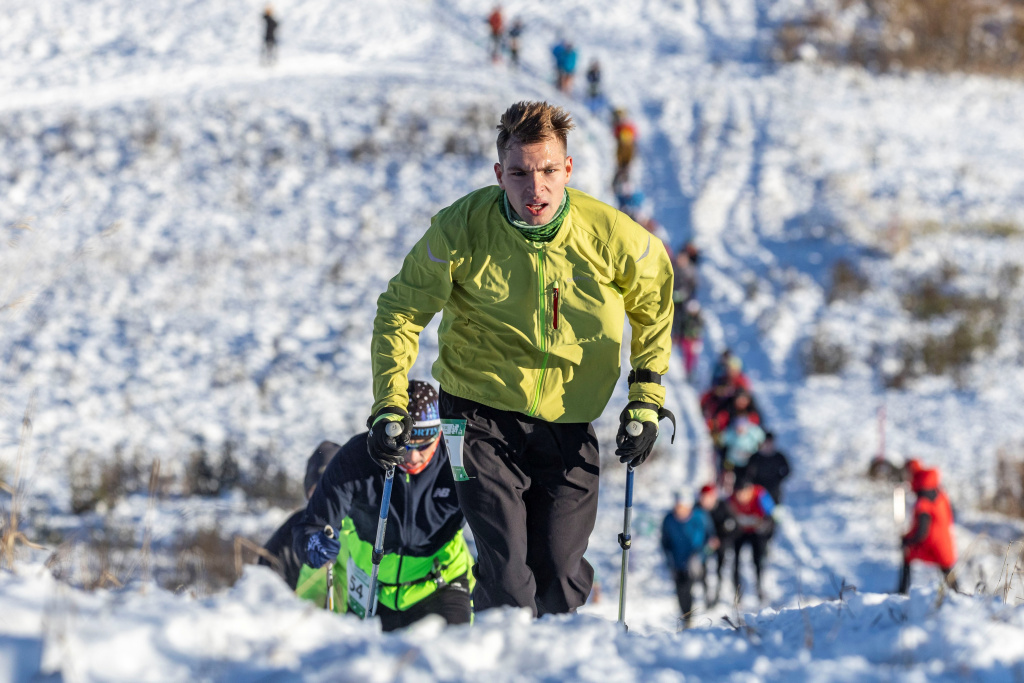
(425, 568)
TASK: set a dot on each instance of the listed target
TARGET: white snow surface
(193, 247)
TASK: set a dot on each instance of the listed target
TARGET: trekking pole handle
(393, 429)
(634, 428)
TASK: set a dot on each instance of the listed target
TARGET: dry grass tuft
(1009, 496)
(11, 535)
(977, 36)
(848, 282)
(823, 356)
(1012, 573)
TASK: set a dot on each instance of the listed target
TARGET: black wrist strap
(644, 376)
(662, 414)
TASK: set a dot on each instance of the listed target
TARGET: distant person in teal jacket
(687, 534)
(741, 439)
(565, 65)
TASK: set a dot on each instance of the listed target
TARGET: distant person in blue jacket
(565, 65)
(687, 534)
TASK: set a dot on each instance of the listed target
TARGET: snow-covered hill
(194, 245)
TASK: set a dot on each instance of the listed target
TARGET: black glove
(634, 448)
(388, 450)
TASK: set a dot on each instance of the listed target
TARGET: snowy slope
(194, 246)
(257, 631)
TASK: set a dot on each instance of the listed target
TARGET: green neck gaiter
(536, 233)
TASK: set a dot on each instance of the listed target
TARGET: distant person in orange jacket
(930, 538)
(625, 143)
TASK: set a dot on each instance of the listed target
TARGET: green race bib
(454, 432)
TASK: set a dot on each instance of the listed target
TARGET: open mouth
(536, 209)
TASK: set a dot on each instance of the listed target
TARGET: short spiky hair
(528, 122)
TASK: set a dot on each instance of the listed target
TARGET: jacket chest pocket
(582, 312)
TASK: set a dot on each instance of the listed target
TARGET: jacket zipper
(543, 317)
(543, 331)
(555, 303)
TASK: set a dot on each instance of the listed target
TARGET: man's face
(708, 500)
(745, 494)
(534, 176)
(414, 457)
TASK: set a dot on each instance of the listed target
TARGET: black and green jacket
(423, 546)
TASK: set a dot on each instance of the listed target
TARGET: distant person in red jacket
(930, 538)
(751, 506)
(497, 24)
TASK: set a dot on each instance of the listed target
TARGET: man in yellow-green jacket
(534, 280)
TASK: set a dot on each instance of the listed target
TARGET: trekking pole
(329, 603)
(624, 543)
(378, 545)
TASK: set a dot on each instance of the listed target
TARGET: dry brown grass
(848, 282)
(1009, 495)
(11, 536)
(824, 356)
(1012, 574)
(978, 36)
(207, 562)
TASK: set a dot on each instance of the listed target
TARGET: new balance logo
(442, 493)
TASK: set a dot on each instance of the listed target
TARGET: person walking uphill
(269, 54)
(687, 536)
(279, 553)
(497, 24)
(534, 280)
(426, 562)
(930, 539)
(752, 508)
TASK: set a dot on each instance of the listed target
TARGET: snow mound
(258, 630)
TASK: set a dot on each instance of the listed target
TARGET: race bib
(358, 590)
(454, 433)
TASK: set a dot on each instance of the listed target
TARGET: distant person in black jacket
(269, 55)
(725, 530)
(425, 568)
(283, 559)
(769, 468)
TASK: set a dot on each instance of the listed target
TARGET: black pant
(724, 542)
(531, 503)
(758, 543)
(684, 591)
(451, 602)
(904, 586)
